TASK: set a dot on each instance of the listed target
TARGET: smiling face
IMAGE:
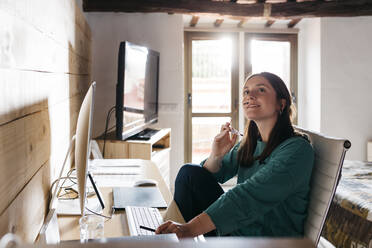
(260, 101)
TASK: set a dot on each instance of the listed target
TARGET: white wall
(346, 108)
(161, 32)
(343, 71)
(334, 86)
(309, 69)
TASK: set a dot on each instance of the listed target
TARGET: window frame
(234, 113)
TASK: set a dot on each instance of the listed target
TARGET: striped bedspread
(349, 220)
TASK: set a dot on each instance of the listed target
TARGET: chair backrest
(329, 157)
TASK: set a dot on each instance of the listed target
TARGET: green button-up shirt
(270, 199)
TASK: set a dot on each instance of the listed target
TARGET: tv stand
(156, 149)
(145, 134)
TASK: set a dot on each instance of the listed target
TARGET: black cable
(107, 121)
(111, 128)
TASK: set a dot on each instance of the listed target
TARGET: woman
(273, 165)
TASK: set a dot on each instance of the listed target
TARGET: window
(212, 80)
(212, 90)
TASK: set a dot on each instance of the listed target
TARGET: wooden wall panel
(59, 19)
(30, 49)
(26, 92)
(24, 147)
(25, 215)
(45, 67)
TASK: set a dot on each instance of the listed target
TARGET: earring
(280, 111)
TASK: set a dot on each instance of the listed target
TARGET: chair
(329, 157)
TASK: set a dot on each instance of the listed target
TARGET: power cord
(67, 189)
(102, 215)
(54, 194)
(69, 186)
(106, 128)
(68, 177)
(111, 128)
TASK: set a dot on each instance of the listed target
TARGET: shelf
(156, 149)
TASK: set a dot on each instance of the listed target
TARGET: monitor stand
(72, 207)
(145, 134)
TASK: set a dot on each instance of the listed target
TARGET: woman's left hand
(181, 230)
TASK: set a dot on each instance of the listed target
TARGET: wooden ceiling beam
(218, 22)
(269, 23)
(241, 23)
(293, 22)
(194, 21)
(281, 10)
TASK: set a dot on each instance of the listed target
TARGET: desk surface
(117, 226)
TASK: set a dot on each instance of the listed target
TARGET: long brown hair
(281, 131)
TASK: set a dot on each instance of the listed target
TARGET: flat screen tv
(136, 89)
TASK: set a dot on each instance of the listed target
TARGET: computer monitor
(82, 144)
(82, 151)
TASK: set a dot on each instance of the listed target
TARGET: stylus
(147, 228)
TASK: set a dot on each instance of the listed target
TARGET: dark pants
(195, 190)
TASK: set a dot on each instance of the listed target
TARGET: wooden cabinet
(157, 149)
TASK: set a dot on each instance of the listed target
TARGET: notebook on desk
(137, 196)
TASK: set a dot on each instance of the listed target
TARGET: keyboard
(142, 216)
(148, 217)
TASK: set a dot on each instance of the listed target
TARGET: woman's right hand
(223, 142)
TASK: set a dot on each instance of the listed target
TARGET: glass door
(211, 90)
(276, 53)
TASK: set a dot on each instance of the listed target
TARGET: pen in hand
(234, 131)
(147, 228)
